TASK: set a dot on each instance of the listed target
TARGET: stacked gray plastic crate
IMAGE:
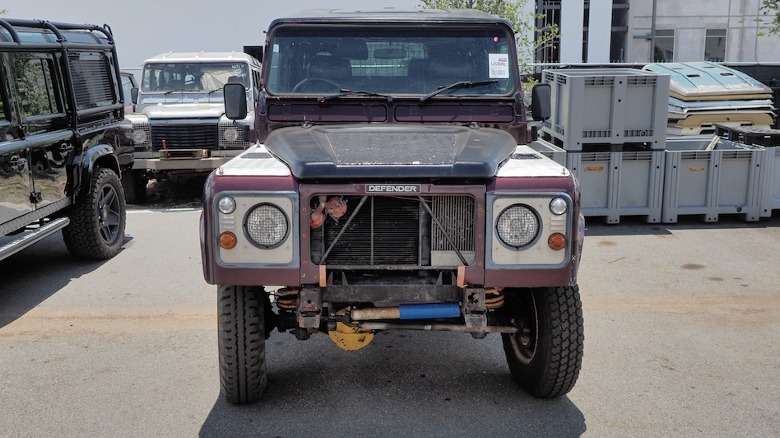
(611, 123)
(767, 142)
(708, 176)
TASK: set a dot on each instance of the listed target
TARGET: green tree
(770, 9)
(511, 10)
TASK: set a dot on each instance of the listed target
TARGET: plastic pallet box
(549, 150)
(747, 135)
(707, 183)
(770, 182)
(607, 106)
(615, 184)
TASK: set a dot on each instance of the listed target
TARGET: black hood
(382, 151)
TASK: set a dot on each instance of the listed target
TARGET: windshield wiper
(176, 91)
(347, 92)
(457, 86)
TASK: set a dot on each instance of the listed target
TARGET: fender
(101, 155)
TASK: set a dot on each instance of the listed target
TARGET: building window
(715, 45)
(664, 45)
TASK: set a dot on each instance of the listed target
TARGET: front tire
(97, 220)
(241, 318)
(545, 355)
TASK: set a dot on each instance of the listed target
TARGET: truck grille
(186, 136)
(395, 231)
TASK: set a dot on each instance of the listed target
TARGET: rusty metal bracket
(474, 311)
(310, 308)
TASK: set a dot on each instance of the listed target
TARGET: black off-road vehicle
(61, 138)
(393, 190)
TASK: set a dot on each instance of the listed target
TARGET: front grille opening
(394, 231)
(185, 136)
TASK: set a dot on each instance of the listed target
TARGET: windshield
(416, 61)
(194, 77)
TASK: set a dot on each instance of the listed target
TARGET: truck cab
(179, 128)
(391, 188)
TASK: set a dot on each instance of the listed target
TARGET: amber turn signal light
(227, 240)
(557, 241)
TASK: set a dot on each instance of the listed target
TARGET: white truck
(179, 127)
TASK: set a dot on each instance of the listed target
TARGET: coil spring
(494, 298)
(287, 298)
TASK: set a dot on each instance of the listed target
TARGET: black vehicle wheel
(241, 318)
(545, 354)
(134, 185)
(97, 220)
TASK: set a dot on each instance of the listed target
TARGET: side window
(3, 106)
(127, 85)
(34, 81)
(93, 81)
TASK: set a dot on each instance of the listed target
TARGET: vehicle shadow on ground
(23, 287)
(404, 384)
(184, 192)
(635, 226)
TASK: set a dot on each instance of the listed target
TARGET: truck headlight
(231, 134)
(517, 226)
(139, 136)
(558, 206)
(266, 225)
(227, 205)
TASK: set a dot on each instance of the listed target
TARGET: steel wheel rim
(109, 214)
(525, 341)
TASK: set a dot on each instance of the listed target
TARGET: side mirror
(134, 95)
(541, 108)
(235, 101)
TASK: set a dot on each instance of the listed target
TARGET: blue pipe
(429, 311)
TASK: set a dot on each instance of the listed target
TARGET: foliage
(511, 10)
(770, 9)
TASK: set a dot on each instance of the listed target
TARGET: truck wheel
(134, 184)
(545, 354)
(97, 220)
(241, 314)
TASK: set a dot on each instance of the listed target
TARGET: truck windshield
(414, 61)
(192, 77)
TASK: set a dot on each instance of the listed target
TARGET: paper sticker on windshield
(499, 65)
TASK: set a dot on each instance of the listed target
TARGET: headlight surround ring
(518, 226)
(266, 225)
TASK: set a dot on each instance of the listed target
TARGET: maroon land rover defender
(391, 189)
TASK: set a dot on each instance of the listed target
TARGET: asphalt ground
(682, 334)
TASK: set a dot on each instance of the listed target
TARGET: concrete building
(637, 31)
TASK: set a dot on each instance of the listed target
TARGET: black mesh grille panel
(456, 216)
(394, 231)
(189, 136)
(395, 234)
(92, 81)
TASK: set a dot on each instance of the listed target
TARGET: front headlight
(266, 225)
(231, 134)
(139, 136)
(517, 226)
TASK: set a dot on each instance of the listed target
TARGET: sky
(144, 28)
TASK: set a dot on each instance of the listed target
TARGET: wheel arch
(98, 156)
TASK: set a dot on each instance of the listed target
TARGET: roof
(43, 34)
(401, 16)
(202, 57)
